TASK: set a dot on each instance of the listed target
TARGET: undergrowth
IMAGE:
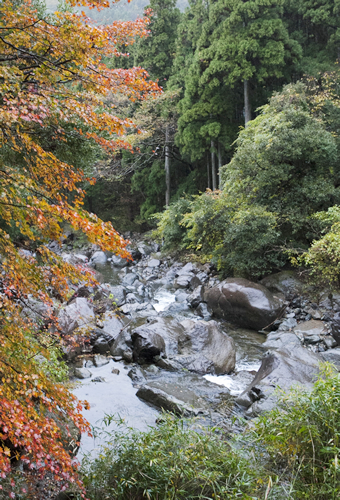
(292, 452)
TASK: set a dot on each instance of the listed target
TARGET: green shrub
(286, 161)
(169, 228)
(292, 453)
(170, 461)
(302, 435)
(323, 257)
(240, 239)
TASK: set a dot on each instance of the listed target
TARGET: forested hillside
(234, 75)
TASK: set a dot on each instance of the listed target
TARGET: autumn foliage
(52, 80)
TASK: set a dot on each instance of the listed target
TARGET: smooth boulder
(147, 343)
(156, 337)
(244, 303)
(205, 340)
(165, 401)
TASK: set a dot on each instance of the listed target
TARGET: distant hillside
(122, 11)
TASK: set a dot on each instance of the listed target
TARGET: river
(115, 394)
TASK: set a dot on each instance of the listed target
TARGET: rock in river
(147, 342)
(244, 303)
(185, 393)
(156, 337)
(165, 401)
(206, 339)
(279, 369)
(200, 346)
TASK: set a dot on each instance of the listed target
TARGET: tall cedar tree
(156, 52)
(52, 81)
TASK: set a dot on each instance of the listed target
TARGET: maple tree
(53, 80)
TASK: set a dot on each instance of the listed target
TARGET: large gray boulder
(160, 334)
(279, 369)
(206, 341)
(244, 303)
(192, 393)
(199, 347)
(78, 315)
(155, 338)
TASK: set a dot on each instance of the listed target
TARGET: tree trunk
(167, 167)
(219, 153)
(247, 109)
(208, 171)
(213, 167)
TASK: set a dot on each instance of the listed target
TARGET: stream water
(116, 395)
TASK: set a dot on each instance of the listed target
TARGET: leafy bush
(169, 462)
(285, 161)
(323, 257)
(302, 435)
(170, 229)
(239, 238)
